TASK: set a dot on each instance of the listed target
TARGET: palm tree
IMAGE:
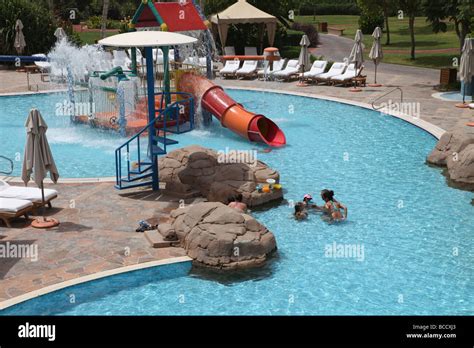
(105, 11)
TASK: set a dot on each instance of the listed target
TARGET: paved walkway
(97, 234)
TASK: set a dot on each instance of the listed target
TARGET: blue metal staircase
(136, 161)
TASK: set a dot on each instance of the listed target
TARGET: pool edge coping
(428, 127)
(91, 277)
(48, 91)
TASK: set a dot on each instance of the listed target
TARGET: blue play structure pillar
(150, 77)
(166, 74)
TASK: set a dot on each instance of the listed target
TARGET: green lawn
(91, 37)
(400, 40)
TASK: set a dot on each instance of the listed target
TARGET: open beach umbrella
(20, 42)
(60, 34)
(376, 53)
(38, 159)
(304, 60)
(466, 68)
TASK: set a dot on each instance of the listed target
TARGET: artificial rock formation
(455, 150)
(217, 236)
(195, 170)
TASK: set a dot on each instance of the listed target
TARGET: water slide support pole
(134, 60)
(150, 76)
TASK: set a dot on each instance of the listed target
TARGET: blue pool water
(417, 232)
(455, 96)
(79, 151)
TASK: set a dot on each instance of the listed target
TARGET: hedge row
(329, 9)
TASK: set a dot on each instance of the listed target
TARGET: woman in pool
(333, 207)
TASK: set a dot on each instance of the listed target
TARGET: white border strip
(95, 276)
(48, 91)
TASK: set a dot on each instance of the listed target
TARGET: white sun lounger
(291, 70)
(318, 68)
(249, 69)
(277, 66)
(11, 208)
(230, 68)
(32, 194)
(44, 66)
(336, 69)
(350, 73)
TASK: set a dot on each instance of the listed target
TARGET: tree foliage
(375, 8)
(411, 8)
(39, 26)
(460, 12)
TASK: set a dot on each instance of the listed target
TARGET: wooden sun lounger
(7, 217)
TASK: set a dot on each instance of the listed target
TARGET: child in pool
(307, 202)
(300, 211)
(332, 207)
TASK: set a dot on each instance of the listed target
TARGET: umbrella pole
(375, 73)
(42, 200)
(43, 222)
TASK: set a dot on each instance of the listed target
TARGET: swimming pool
(416, 232)
(79, 151)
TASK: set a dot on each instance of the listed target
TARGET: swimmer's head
(327, 195)
(299, 207)
(307, 198)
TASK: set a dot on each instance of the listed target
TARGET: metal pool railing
(386, 94)
(10, 162)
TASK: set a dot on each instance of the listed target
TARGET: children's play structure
(157, 95)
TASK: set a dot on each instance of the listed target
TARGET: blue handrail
(148, 127)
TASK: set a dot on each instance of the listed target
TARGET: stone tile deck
(97, 229)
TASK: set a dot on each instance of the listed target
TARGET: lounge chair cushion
(12, 206)
(349, 74)
(32, 194)
(292, 68)
(336, 69)
(249, 67)
(231, 66)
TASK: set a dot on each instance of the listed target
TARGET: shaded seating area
(242, 12)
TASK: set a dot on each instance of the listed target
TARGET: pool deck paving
(96, 234)
(98, 222)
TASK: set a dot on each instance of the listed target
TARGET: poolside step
(157, 241)
(164, 140)
(138, 177)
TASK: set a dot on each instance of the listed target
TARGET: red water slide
(232, 115)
